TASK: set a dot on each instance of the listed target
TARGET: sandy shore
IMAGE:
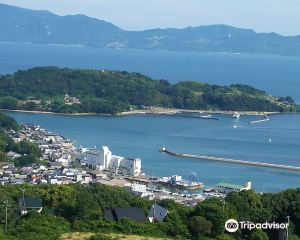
(150, 110)
(54, 113)
(160, 110)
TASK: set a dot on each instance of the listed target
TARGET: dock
(233, 161)
(266, 118)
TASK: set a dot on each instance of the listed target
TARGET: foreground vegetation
(75, 208)
(111, 92)
(108, 236)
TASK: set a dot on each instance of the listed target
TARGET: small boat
(236, 115)
(163, 149)
(206, 116)
(209, 117)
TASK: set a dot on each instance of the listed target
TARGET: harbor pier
(266, 118)
(228, 160)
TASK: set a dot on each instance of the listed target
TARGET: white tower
(105, 156)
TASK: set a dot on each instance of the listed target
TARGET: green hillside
(104, 91)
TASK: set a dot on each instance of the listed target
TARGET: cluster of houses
(55, 147)
(69, 100)
(60, 154)
(40, 174)
(67, 164)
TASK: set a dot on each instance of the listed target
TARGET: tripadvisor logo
(233, 225)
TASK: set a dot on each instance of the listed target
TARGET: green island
(64, 90)
(77, 211)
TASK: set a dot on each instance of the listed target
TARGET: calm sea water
(142, 136)
(274, 74)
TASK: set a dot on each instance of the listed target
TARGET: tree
(3, 157)
(289, 99)
(174, 225)
(8, 123)
(100, 236)
(8, 103)
(2, 236)
(40, 226)
(87, 207)
(287, 203)
(30, 106)
(249, 206)
(29, 148)
(212, 210)
(225, 237)
(294, 237)
(25, 160)
(199, 226)
(258, 234)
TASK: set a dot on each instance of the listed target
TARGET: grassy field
(86, 236)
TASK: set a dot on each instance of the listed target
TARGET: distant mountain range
(23, 25)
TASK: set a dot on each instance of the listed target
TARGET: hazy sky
(282, 16)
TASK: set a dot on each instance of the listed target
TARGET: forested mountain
(103, 91)
(23, 25)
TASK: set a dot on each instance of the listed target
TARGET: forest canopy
(104, 91)
(69, 208)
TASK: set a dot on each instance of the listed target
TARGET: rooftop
(133, 213)
(229, 185)
(31, 202)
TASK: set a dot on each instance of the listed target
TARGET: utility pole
(23, 191)
(23, 198)
(287, 230)
(6, 205)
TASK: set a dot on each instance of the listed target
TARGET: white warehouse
(104, 160)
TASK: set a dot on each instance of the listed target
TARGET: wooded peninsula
(64, 90)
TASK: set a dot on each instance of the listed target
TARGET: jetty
(233, 161)
(266, 118)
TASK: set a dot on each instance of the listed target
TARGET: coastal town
(64, 163)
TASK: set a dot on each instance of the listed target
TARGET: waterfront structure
(236, 115)
(138, 189)
(228, 160)
(177, 181)
(227, 187)
(104, 160)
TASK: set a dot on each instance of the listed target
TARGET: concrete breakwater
(228, 160)
(266, 118)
